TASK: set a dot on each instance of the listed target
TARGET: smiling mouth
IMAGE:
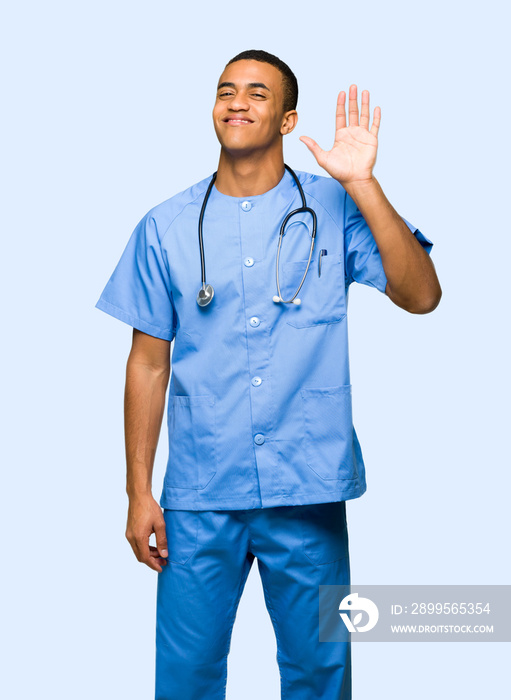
(236, 121)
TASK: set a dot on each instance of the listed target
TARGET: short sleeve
(362, 258)
(138, 292)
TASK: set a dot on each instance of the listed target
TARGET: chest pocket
(323, 298)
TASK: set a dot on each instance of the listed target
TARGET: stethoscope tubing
(206, 291)
(303, 208)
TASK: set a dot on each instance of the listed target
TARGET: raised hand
(353, 154)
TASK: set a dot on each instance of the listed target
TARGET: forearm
(412, 282)
(144, 405)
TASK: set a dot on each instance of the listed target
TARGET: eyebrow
(250, 86)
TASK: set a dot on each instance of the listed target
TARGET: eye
(224, 94)
(257, 94)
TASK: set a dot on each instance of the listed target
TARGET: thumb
(161, 538)
(316, 151)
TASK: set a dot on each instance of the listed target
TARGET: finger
(376, 121)
(353, 106)
(140, 545)
(340, 115)
(161, 537)
(152, 558)
(364, 111)
(154, 565)
(155, 555)
(316, 151)
(134, 543)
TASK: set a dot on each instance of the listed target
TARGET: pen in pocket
(322, 252)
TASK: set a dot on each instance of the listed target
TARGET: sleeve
(138, 292)
(362, 258)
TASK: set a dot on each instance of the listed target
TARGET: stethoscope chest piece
(205, 295)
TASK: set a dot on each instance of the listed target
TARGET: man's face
(248, 114)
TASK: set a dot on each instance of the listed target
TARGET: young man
(262, 450)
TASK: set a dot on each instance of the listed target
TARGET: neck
(248, 176)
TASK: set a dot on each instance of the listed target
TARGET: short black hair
(288, 77)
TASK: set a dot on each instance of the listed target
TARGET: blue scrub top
(260, 402)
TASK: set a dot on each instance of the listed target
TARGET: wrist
(360, 184)
(363, 190)
(139, 491)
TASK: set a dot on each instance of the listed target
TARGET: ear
(289, 122)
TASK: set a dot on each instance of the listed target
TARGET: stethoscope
(207, 292)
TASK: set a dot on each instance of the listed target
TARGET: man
(262, 450)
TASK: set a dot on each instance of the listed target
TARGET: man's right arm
(147, 378)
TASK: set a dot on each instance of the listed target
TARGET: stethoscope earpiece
(206, 292)
(278, 299)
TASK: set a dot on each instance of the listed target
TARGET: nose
(239, 102)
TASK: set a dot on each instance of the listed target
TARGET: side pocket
(181, 528)
(192, 442)
(325, 532)
(328, 431)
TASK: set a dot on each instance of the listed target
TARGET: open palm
(353, 154)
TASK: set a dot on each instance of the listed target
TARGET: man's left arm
(412, 282)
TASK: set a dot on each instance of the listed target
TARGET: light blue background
(107, 112)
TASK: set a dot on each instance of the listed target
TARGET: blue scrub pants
(298, 548)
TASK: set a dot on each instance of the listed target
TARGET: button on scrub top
(260, 400)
